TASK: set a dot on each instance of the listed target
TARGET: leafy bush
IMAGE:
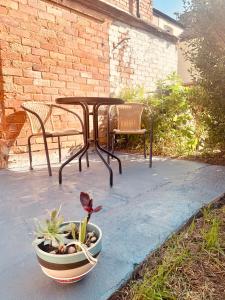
(178, 128)
(205, 26)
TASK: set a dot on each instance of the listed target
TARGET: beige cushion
(63, 132)
(140, 131)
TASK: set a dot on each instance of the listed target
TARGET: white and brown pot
(69, 268)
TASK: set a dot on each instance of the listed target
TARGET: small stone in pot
(71, 250)
(93, 239)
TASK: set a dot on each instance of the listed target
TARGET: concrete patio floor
(142, 209)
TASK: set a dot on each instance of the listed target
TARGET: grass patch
(189, 266)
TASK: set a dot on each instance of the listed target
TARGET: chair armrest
(69, 111)
(37, 116)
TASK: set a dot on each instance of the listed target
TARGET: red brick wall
(146, 10)
(131, 5)
(49, 51)
(122, 4)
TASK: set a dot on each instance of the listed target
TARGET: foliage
(87, 204)
(82, 230)
(53, 233)
(210, 231)
(206, 51)
(178, 129)
(190, 265)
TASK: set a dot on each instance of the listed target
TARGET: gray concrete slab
(142, 209)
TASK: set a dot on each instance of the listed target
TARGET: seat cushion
(63, 132)
(140, 131)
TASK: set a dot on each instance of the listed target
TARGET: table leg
(107, 165)
(97, 148)
(102, 149)
(68, 161)
(87, 135)
(81, 156)
(112, 155)
(84, 148)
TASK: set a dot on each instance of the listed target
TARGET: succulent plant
(51, 232)
(60, 238)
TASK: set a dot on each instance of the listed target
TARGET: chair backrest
(43, 111)
(129, 116)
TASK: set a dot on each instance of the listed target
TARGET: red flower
(87, 203)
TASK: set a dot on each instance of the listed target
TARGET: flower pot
(69, 268)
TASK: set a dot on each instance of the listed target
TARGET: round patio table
(95, 102)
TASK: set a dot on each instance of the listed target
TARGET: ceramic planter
(69, 268)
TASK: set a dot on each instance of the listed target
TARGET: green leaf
(82, 230)
(73, 230)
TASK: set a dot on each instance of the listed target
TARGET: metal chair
(129, 117)
(40, 117)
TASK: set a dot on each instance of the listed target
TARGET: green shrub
(204, 20)
(178, 128)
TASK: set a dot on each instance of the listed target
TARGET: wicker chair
(129, 122)
(40, 117)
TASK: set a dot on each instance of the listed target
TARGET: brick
(50, 90)
(28, 9)
(41, 97)
(31, 58)
(12, 88)
(54, 10)
(12, 71)
(20, 48)
(40, 52)
(3, 10)
(46, 16)
(64, 64)
(9, 55)
(32, 74)
(9, 3)
(21, 64)
(41, 82)
(48, 61)
(48, 46)
(86, 74)
(30, 42)
(65, 78)
(58, 84)
(20, 32)
(40, 67)
(65, 50)
(93, 82)
(23, 81)
(57, 70)
(73, 85)
(51, 76)
(32, 89)
(9, 37)
(7, 79)
(57, 56)
(72, 72)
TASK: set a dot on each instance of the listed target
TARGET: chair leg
(87, 159)
(47, 156)
(144, 139)
(59, 147)
(113, 142)
(151, 143)
(108, 147)
(30, 151)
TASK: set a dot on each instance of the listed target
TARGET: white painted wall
(141, 60)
